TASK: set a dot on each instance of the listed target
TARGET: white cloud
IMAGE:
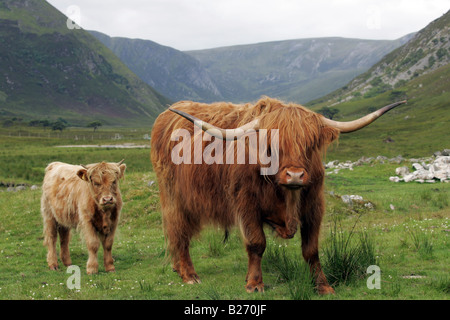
(199, 24)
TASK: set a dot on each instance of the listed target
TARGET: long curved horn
(350, 126)
(120, 162)
(224, 134)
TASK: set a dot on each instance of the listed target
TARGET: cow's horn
(225, 134)
(120, 162)
(350, 126)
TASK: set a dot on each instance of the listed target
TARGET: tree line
(59, 124)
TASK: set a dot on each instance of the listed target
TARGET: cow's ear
(122, 168)
(328, 135)
(82, 174)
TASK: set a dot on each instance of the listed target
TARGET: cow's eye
(96, 184)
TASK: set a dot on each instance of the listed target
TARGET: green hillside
(50, 71)
(416, 129)
(419, 128)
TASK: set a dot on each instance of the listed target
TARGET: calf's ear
(122, 168)
(82, 174)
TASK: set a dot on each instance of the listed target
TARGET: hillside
(417, 129)
(293, 70)
(50, 71)
(427, 51)
(171, 72)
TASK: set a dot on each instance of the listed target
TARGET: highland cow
(84, 197)
(228, 194)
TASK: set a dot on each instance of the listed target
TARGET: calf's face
(103, 179)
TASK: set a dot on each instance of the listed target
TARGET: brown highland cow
(195, 191)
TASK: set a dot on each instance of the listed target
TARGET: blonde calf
(83, 197)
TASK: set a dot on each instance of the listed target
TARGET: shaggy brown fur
(87, 198)
(193, 195)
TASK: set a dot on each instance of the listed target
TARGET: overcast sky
(202, 24)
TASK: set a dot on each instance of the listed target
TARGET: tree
(95, 125)
(58, 125)
(328, 112)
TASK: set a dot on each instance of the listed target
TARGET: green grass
(409, 244)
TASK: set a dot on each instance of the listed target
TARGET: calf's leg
(50, 237)
(107, 243)
(64, 238)
(92, 243)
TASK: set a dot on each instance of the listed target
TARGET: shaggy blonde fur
(87, 198)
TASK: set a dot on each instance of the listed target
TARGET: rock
(409, 177)
(428, 170)
(20, 188)
(346, 199)
(369, 205)
(34, 187)
(402, 171)
(398, 159)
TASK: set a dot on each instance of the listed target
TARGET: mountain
(293, 70)
(418, 71)
(427, 51)
(171, 72)
(48, 70)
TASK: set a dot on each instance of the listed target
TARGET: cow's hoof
(256, 287)
(191, 279)
(53, 267)
(91, 271)
(322, 290)
(110, 269)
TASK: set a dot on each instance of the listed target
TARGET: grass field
(409, 244)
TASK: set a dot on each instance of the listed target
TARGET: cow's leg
(184, 265)
(179, 233)
(313, 208)
(50, 237)
(64, 238)
(92, 243)
(255, 242)
(107, 243)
